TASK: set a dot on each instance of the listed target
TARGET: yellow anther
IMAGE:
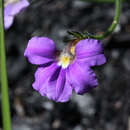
(73, 45)
(72, 50)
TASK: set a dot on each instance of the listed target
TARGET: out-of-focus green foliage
(104, 1)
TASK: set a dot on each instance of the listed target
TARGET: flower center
(6, 2)
(68, 55)
(64, 60)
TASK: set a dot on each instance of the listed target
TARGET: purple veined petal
(59, 88)
(14, 8)
(94, 60)
(81, 77)
(88, 47)
(90, 51)
(46, 87)
(41, 77)
(51, 82)
(66, 92)
(40, 50)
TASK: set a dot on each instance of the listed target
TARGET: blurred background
(106, 107)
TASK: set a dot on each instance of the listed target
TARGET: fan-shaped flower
(58, 72)
(11, 8)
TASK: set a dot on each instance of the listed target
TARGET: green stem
(105, 1)
(112, 26)
(109, 30)
(4, 83)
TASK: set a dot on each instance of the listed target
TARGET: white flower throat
(64, 60)
(66, 57)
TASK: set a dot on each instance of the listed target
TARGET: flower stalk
(109, 30)
(4, 83)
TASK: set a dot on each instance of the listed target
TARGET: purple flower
(61, 72)
(11, 8)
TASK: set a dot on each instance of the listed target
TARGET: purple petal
(90, 51)
(81, 77)
(66, 92)
(94, 60)
(8, 21)
(14, 8)
(40, 50)
(59, 88)
(51, 82)
(41, 76)
(11, 10)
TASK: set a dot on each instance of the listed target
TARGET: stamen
(72, 49)
(73, 45)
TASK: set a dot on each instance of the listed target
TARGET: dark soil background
(106, 107)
